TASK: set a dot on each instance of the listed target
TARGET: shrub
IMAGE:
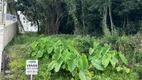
(56, 54)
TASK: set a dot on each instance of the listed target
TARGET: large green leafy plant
(57, 54)
(102, 56)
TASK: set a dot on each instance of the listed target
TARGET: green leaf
(123, 58)
(72, 64)
(97, 64)
(114, 61)
(83, 63)
(49, 49)
(96, 44)
(33, 54)
(119, 68)
(98, 54)
(66, 55)
(58, 65)
(34, 45)
(59, 42)
(51, 65)
(82, 75)
(106, 48)
(56, 56)
(39, 54)
(127, 70)
(88, 78)
(106, 59)
(91, 50)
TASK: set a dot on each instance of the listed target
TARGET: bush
(57, 54)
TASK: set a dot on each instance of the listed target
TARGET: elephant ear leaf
(82, 75)
(51, 65)
(83, 63)
(39, 54)
(97, 64)
(114, 61)
(71, 64)
(96, 44)
(106, 59)
(58, 65)
(123, 58)
(91, 50)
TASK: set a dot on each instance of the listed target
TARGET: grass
(18, 53)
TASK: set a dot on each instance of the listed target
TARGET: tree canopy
(94, 17)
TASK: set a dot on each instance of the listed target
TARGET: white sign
(31, 67)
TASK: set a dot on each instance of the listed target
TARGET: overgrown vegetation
(66, 57)
(62, 54)
(94, 17)
(115, 53)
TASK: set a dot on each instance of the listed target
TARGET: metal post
(2, 15)
(2, 11)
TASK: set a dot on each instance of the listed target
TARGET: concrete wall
(9, 32)
(6, 35)
(1, 43)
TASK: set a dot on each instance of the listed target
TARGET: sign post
(31, 68)
(31, 77)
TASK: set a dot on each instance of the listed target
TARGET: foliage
(46, 14)
(17, 51)
(69, 57)
(58, 54)
(112, 75)
(103, 56)
(1, 76)
(83, 16)
(119, 42)
(137, 52)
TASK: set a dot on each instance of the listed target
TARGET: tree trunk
(105, 29)
(111, 21)
(46, 32)
(76, 29)
(38, 26)
(83, 21)
(124, 23)
(105, 17)
(127, 25)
